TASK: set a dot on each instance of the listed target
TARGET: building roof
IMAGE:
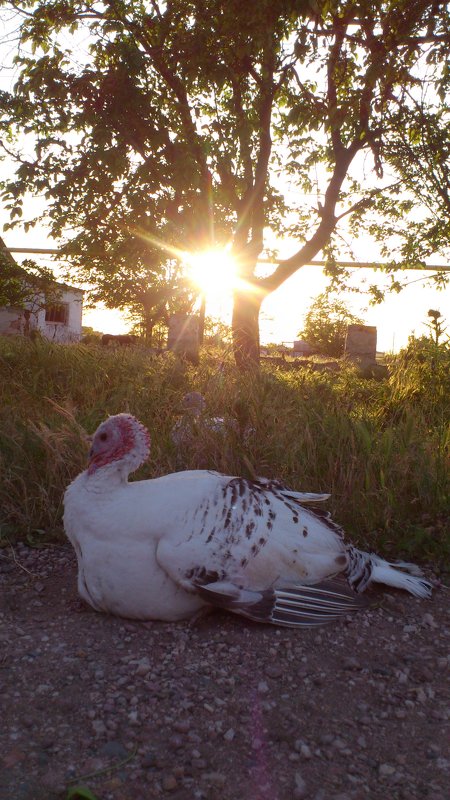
(20, 270)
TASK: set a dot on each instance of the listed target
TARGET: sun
(213, 271)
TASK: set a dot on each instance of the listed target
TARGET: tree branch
(178, 90)
(326, 226)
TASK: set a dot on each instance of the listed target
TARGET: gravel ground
(223, 709)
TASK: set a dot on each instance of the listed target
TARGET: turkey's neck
(109, 477)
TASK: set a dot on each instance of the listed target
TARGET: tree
(29, 287)
(146, 132)
(148, 296)
(325, 326)
(418, 149)
(151, 292)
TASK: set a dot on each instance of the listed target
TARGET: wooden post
(183, 336)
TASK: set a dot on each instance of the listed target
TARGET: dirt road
(224, 710)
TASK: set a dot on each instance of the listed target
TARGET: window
(58, 312)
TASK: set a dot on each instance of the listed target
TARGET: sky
(399, 316)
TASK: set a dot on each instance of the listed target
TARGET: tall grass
(379, 447)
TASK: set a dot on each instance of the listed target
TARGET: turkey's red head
(121, 439)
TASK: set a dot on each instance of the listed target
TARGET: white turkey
(195, 425)
(194, 421)
(164, 548)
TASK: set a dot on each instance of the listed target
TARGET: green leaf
(80, 793)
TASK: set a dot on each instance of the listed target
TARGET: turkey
(165, 548)
(201, 439)
(194, 420)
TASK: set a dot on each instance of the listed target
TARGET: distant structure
(302, 348)
(58, 321)
(361, 344)
(183, 336)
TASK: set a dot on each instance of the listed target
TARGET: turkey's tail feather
(366, 568)
(309, 606)
(295, 606)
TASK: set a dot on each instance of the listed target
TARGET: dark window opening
(59, 312)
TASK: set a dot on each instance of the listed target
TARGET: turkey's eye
(103, 437)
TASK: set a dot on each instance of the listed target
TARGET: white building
(59, 320)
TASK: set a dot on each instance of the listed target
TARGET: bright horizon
(282, 314)
(283, 311)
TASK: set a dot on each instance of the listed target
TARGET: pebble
(386, 770)
(113, 749)
(300, 790)
(429, 620)
(148, 760)
(98, 727)
(182, 725)
(305, 751)
(143, 667)
(351, 663)
(169, 783)
(173, 709)
(273, 671)
(215, 778)
(340, 744)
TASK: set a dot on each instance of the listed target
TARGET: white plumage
(165, 548)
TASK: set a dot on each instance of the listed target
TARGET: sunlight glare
(213, 271)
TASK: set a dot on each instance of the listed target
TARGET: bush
(420, 379)
(325, 327)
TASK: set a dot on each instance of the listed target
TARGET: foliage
(28, 286)
(149, 294)
(90, 334)
(420, 377)
(80, 793)
(419, 151)
(142, 140)
(217, 333)
(381, 454)
(325, 326)
(437, 327)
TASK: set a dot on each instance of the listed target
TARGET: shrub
(325, 326)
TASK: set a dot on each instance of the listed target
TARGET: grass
(380, 447)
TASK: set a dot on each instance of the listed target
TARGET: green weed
(380, 447)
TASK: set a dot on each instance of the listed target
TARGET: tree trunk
(147, 327)
(245, 328)
(201, 319)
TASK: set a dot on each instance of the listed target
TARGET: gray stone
(113, 749)
(300, 790)
(386, 770)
